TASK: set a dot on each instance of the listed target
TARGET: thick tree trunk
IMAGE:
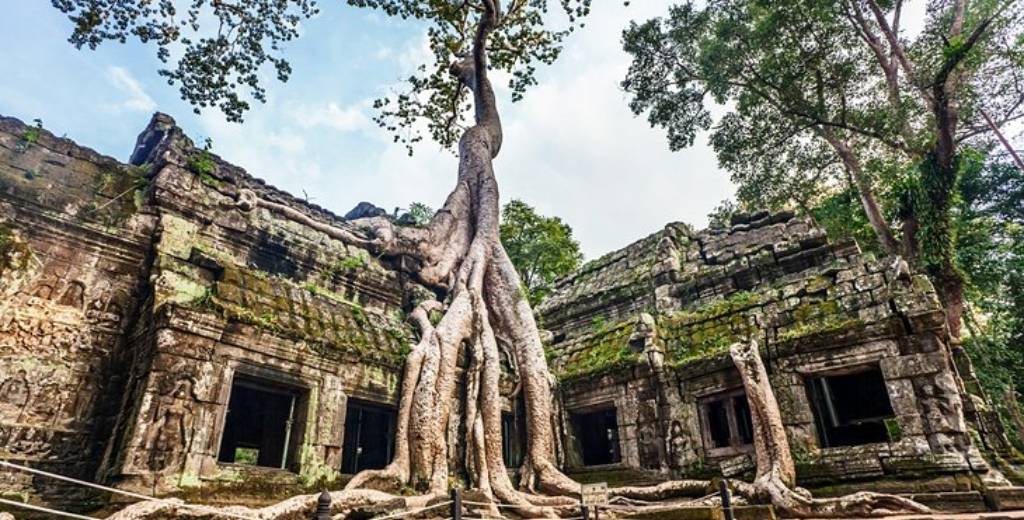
(775, 480)
(461, 252)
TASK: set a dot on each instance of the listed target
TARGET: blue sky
(572, 148)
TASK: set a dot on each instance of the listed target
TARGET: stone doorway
(597, 433)
(260, 425)
(369, 436)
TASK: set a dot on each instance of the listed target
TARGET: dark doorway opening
(850, 409)
(598, 436)
(513, 436)
(369, 437)
(727, 426)
(260, 427)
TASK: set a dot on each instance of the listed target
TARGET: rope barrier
(42, 509)
(413, 511)
(202, 509)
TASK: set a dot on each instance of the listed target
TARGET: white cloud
(332, 115)
(137, 99)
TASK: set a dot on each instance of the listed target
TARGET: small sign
(594, 494)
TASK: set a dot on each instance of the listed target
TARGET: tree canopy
(825, 97)
(541, 248)
(224, 45)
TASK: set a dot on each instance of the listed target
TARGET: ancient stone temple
(161, 333)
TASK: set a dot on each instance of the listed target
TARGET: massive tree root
(460, 253)
(299, 507)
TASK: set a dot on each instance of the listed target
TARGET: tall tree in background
(542, 248)
(821, 94)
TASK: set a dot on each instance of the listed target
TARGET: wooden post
(723, 490)
(456, 496)
(323, 506)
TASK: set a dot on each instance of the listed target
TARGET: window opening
(727, 426)
(850, 409)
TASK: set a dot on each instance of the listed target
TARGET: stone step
(952, 501)
(1007, 498)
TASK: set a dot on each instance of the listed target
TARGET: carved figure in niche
(73, 295)
(15, 392)
(652, 452)
(167, 436)
(679, 446)
(48, 401)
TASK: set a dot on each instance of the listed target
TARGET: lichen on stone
(15, 252)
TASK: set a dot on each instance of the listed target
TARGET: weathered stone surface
(1007, 498)
(364, 210)
(147, 291)
(818, 309)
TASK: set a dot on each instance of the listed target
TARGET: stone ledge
(1006, 498)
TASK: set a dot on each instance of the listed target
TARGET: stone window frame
(845, 370)
(301, 424)
(734, 448)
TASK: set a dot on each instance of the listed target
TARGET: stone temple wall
(152, 318)
(645, 332)
(73, 252)
(135, 295)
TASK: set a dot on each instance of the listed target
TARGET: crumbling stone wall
(133, 294)
(815, 308)
(242, 291)
(73, 243)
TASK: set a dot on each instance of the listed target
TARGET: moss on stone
(735, 302)
(605, 350)
(709, 330)
(821, 325)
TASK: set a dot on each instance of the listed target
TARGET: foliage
(419, 214)
(990, 250)
(827, 98)
(541, 248)
(841, 215)
(30, 137)
(722, 214)
(225, 47)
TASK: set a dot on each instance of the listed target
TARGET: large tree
(824, 94)
(483, 310)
